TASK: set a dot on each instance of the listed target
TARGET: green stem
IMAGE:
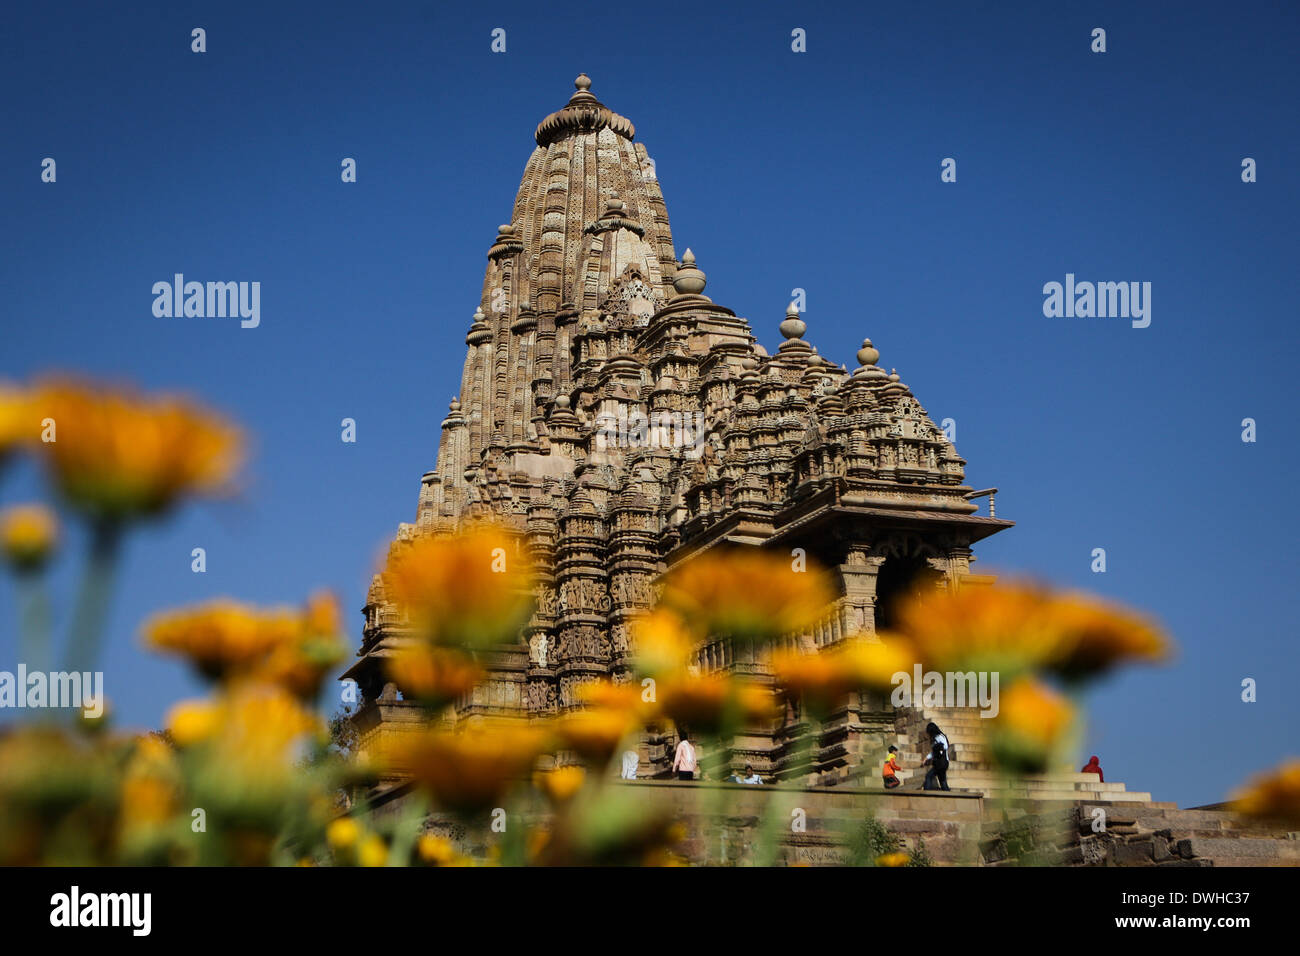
(34, 629)
(91, 614)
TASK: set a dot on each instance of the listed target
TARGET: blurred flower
(433, 675)
(118, 456)
(301, 661)
(1031, 726)
(1095, 636)
(662, 643)
(17, 424)
(1016, 628)
(343, 834)
(897, 858)
(707, 704)
(435, 850)
(28, 534)
(372, 850)
(823, 678)
(192, 721)
(1273, 796)
(470, 770)
(561, 784)
(151, 792)
(251, 728)
(471, 589)
(744, 592)
(594, 734)
(225, 639)
(607, 695)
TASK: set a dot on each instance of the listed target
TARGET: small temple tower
(620, 422)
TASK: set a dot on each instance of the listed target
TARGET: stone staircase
(972, 769)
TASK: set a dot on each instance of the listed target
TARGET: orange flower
(1273, 796)
(897, 858)
(225, 639)
(1031, 727)
(1017, 628)
(606, 694)
(562, 784)
(117, 456)
(434, 675)
(744, 592)
(662, 643)
(709, 703)
(470, 589)
(594, 734)
(470, 770)
(18, 426)
(251, 730)
(823, 678)
(28, 534)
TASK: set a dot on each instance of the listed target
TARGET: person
(938, 759)
(684, 760)
(631, 759)
(747, 777)
(891, 768)
(1093, 766)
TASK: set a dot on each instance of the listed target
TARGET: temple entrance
(900, 578)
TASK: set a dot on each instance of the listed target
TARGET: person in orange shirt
(891, 768)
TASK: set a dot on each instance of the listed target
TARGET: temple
(620, 422)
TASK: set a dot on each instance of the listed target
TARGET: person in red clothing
(1092, 766)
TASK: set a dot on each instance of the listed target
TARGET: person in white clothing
(684, 760)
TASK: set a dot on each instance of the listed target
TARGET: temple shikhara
(621, 421)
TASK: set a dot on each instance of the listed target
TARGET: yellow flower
(705, 704)
(18, 426)
(897, 858)
(470, 770)
(472, 589)
(747, 593)
(193, 721)
(594, 734)
(662, 643)
(823, 678)
(342, 834)
(561, 784)
(28, 534)
(1031, 726)
(225, 639)
(150, 786)
(1273, 796)
(607, 695)
(116, 455)
(435, 850)
(434, 675)
(309, 651)
(249, 730)
(1016, 628)
(222, 637)
(372, 851)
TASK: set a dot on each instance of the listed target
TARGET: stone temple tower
(620, 421)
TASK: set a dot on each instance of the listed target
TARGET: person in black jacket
(936, 778)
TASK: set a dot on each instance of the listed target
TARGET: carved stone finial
(583, 83)
(793, 327)
(868, 354)
(689, 280)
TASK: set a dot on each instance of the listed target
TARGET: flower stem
(91, 614)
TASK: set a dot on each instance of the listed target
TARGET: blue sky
(780, 170)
